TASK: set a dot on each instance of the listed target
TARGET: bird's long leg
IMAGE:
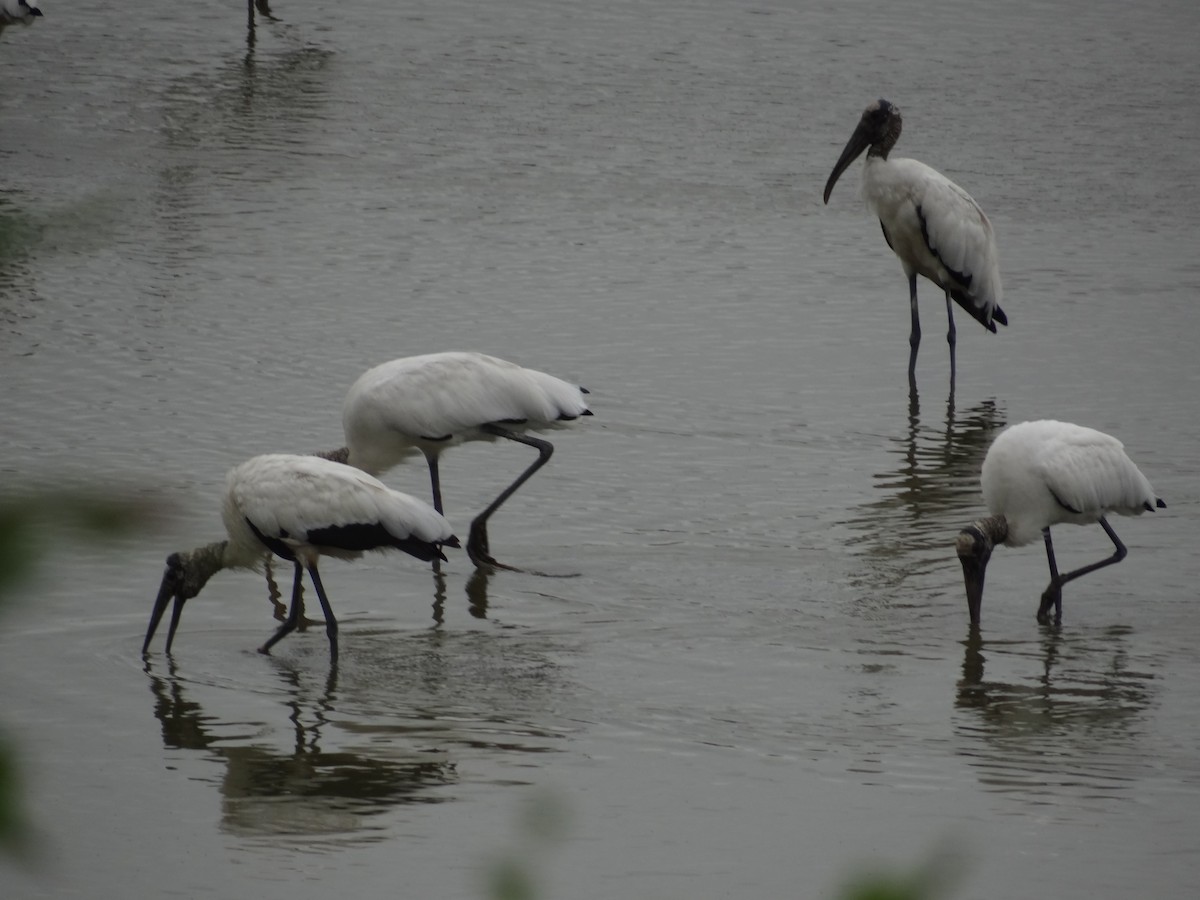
(331, 625)
(951, 335)
(914, 336)
(1119, 554)
(1050, 555)
(477, 543)
(435, 482)
(289, 624)
(1053, 593)
(1052, 596)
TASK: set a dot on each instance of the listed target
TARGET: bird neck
(881, 148)
(203, 563)
(994, 528)
(340, 455)
(371, 463)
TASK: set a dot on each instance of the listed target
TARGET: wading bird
(433, 402)
(931, 224)
(13, 12)
(300, 508)
(1040, 474)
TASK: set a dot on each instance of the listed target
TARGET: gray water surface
(760, 677)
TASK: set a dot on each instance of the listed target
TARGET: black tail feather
(978, 314)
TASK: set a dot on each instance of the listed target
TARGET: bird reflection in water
(263, 7)
(303, 790)
(933, 478)
(1072, 723)
(476, 589)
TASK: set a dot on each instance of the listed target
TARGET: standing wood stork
(13, 12)
(432, 402)
(1039, 474)
(300, 508)
(932, 224)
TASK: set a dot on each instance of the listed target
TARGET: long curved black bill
(165, 592)
(176, 611)
(854, 147)
(973, 578)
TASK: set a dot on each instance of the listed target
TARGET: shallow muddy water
(758, 676)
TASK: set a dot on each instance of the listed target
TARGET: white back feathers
(311, 505)
(1038, 474)
(438, 400)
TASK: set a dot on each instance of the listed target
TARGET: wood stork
(13, 12)
(1039, 474)
(300, 508)
(432, 402)
(932, 224)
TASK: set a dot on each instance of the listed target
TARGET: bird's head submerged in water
(974, 546)
(184, 578)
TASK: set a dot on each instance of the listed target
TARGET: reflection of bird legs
(264, 9)
(439, 595)
(477, 598)
(280, 608)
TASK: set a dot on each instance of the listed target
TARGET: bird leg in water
(1052, 596)
(331, 624)
(477, 543)
(435, 483)
(289, 625)
(951, 335)
(914, 336)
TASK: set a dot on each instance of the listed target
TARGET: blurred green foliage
(930, 879)
(542, 822)
(30, 522)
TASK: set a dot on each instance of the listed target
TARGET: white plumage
(935, 227)
(432, 402)
(301, 508)
(1040, 474)
(14, 12)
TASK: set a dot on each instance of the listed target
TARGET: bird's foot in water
(1051, 599)
(477, 549)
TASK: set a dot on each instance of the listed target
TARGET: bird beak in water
(973, 571)
(176, 610)
(859, 141)
(165, 592)
(169, 590)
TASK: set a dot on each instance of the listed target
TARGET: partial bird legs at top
(1052, 597)
(477, 542)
